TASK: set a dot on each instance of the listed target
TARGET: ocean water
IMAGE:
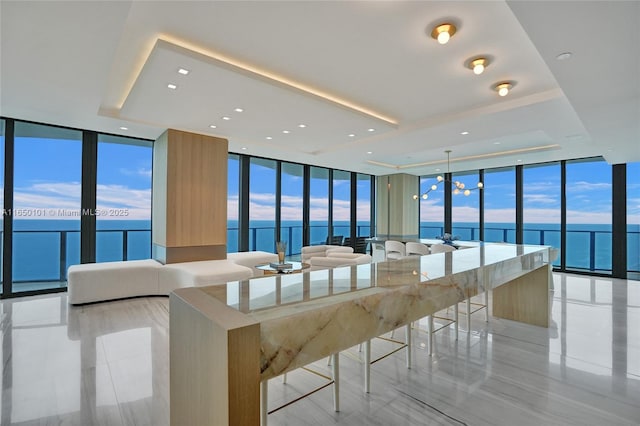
(44, 249)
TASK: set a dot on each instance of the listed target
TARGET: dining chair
(394, 249)
(418, 249)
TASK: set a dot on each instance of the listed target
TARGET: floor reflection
(107, 364)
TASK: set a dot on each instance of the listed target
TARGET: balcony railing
(56, 250)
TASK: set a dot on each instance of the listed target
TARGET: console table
(226, 339)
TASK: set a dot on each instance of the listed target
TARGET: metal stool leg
(367, 366)
(335, 370)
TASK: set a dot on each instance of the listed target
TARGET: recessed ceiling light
(496, 143)
(124, 128)
(285, 131)
(464, 133)
(371, 130)
(351, 135)
(302, 126)
(172, 86)
(369, 152)
(213, 126)
(226, 118)
(244, 148)
(563, 56)
(238, 110)
(519, 161)
(268, 138)
(183, 71)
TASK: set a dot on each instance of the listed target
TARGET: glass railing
(44, 256)
(590, 249)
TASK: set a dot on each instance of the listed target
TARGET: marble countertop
(304, 317)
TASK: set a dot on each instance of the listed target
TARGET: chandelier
(457, 186)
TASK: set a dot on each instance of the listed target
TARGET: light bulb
(456, 191)
(478, 69)
(443, 37)
(461, 186)
(503, 91)
(439, 179)
(467, 192)
(480, 185)
(425, 196)
(434, 187)
(415, 197)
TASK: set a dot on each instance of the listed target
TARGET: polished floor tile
(107, 364)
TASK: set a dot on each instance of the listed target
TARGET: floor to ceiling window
(341, 203)
(262, 204)
(431, 207)
(319, 205)
(465, 210)
(633, 219)
(291, 226)
(46, 205)
(542, 208)
(233, 200)
(123, 199)
(588, 188)
(500, 205)
(363, 205)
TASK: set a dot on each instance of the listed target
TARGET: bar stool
(442, 248)
(334, 380)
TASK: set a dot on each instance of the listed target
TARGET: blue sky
(47, 176)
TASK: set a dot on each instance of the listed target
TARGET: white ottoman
(201, 273)
(95, 282)
(252, 258)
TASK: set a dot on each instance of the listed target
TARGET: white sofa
(96, 282)
(336, 259)
(322, 251)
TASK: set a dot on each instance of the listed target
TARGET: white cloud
(540, 199)
(582, 186)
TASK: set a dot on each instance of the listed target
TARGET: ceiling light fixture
(285, 131)
(244, 148)
(478, 65)
(351, 135)
(504, 88)
(226, 118)
(172, 86)
(238, 110)
(456, 186)
(464, 133)
(302, 126)
(183, 71)
(369, 152)
(371, 130)
(269, 138)
(213, 126)
(124, 128)
(443, 32)
(563, 56)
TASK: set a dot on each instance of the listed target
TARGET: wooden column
(397, 211)
(189, 219)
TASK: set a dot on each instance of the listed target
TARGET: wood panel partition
(189, 217)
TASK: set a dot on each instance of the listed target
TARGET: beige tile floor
(107, 364)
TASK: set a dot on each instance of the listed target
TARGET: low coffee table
(295, 267)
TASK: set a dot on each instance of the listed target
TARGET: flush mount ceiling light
(183, 71)
(504, 88)
(478, 65)
(443, 32)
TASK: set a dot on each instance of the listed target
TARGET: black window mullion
(563, 215)
(7, 226)
(279, 200)
(481, 204)
(448, 203)
(619, 221)
(88, 197)
(306, 202)
(330, 221)
(243, 203)
(520, 204)
(354, 209)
